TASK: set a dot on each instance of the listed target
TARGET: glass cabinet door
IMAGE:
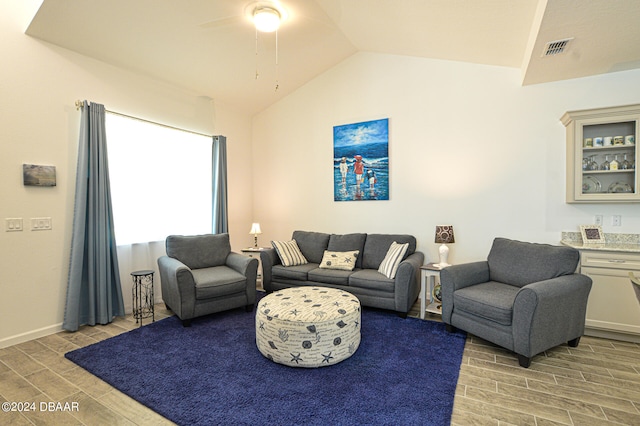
(602, 155)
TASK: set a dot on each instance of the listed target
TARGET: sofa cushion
(218, 281)
(292, 272)
(289, 253)
(371, 279)
(391, 261)
(343, 260)
(520, 263)
(491, 300)
(348, 242)
(376, 247)
(199, 251)
(330, 276)
(312, 244)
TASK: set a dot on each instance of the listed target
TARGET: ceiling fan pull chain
(257, 75)
(277, 84)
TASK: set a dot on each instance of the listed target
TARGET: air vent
(556, 47)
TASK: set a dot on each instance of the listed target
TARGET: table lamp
(444, 236)
(255, 230)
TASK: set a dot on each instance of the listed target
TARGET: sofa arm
(455, 277)
(269, 258)
(548, 313)
(407, 281)
(178, 286)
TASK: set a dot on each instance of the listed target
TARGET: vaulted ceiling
(210, 46)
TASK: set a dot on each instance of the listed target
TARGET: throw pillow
(289, 253)
(343, 260)
(391, 261)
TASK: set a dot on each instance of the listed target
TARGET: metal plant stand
(142, 294)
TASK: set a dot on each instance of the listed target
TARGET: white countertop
(629, 243)
(630, 248)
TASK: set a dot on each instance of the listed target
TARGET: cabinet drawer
(629, 262)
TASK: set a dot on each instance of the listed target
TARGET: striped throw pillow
(289, 253)
(389, 265)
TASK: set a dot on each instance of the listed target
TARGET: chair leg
(450, 328)
(249, 308)
(402, 315)
(524, 361)
(574, 343)
(186, 323)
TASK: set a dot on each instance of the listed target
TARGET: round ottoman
(308, 326)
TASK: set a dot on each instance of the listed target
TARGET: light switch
(13, 224)
(40, 223)
(616, 220)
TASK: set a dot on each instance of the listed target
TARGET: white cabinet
(597, 139)
(613, 309)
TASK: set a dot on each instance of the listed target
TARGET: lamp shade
(444, 234)
(266, 19)
(255, 229)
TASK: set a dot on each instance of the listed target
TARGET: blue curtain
(220, 219)
(94, 294)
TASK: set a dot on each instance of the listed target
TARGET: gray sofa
(525, 297)
(372, 288)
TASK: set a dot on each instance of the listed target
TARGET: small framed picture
(592, 234)
(35, 175)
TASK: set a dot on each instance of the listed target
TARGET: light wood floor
(597, 383)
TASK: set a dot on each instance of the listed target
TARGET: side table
(142, 295)
(429, 274)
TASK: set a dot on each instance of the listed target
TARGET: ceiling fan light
(266, 19)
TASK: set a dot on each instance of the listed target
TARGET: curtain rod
(79, 105)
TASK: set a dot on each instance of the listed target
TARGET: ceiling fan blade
(221, 22)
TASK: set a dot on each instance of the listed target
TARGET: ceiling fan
(291, 10)
(269, 12)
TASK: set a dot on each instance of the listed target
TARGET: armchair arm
(269, 258)
(178, 286)
(548, 313)
(455, 277)
(407, 285)
(248, 267)
(242, 264)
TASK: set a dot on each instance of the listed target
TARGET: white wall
(39, 124)
(468, 147)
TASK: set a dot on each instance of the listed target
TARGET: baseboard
(612, 334)
(30, 335)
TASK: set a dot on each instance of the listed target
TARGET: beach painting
(361, 161)
(35, 175)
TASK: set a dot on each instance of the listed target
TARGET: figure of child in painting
(370, 177)
(358, 169)
(343, 170)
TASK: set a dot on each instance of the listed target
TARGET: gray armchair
(525, 297)
(201, 275)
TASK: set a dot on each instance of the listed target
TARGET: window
(160, 180)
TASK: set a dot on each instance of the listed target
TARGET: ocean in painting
(375, 157)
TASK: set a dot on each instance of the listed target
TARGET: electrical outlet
(597, 219)
(13, 224)
(616, 220)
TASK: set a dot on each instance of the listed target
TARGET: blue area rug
(405, 372)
